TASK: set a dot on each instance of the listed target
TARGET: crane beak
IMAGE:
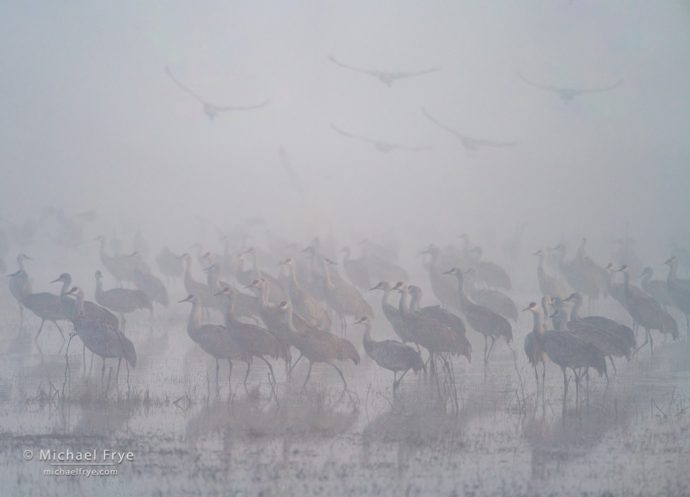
(450, 271)
(360, 321)
(56, 280)
(14, 274)
(220, 292)
(189, 297)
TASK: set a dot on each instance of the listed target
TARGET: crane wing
(183, 87)
(370, 72)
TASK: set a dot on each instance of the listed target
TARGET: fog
(91, 121)
(266, 130)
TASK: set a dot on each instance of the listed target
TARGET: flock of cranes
(289, 307)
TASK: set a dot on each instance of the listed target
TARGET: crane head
(400, 286)
(363, 320)
(99, 275)
(190, 298)
(64, 277)
(531, 307)
(671, 260)
(539, 252)
(382, 285)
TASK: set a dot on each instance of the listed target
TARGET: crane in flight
(568, 94)
(379, 145)
(211, 110)
(385, 77)
(471, 144)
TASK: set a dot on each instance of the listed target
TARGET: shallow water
(630, 436)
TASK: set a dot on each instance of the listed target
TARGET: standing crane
(549, 284)
(342, 297)
(20, 284)
(679, 290)
(482, 319)
(389, 354)
(392, 313)
(214, 339)
(99, 332)
(533, 342)
(121, 300)
(318, 346)
(253, 340)
(305, 304)
(568, 351)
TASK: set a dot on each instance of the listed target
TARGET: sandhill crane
(487, 272)
(471, 144)
(253, 340)
(99, 332)
(380, 263)
(304, 303)
(120, 266)
(20, 284)
(193, 287)
(392, 313)
(533, 343)
(48, 307)
(385, 77)
(566, 350)
(343, 297)
(441, 286)
(277, 293)
(434, 335)
(480, 318)
(679, 290)
(356, 270)
(152, 286)
(214, 339)
(381, 146)
(169, 264)
(559, 316)
(645, 311)
(212, 110)
(318, 346)
(455, 323)
(613, 339)
(568, 94)
(121, 300)
(495, 300)
(550, 285)
(389, 354)
(656, 288)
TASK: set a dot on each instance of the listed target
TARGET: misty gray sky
(90, 119)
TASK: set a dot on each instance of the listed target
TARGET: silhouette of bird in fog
(470, 143)
(385, 77)
(379, 145)
(569, 94)
(211, 110)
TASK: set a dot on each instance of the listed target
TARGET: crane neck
(403, 304)
(672, 271)
(230, 311)
(20, 263)
(99, 287)
(464, 301)
(415, 301)
(575, 311)
(255, 264)
(194, 320)
(537, 323)
(366, 338)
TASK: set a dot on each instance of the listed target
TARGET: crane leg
(342, 377)
(565, 386)
(40, 328)
(83, 357)
(395, 381)
(102, 371)
(613, 364)
(295, 363)
(117, 372)
(229, 378)
(60, 330)
(123, 321)
(246, 375)
(304, 385)
(543, 378)
(401, 378)
(486, 348)
(651, 340)
(270, 370)
(217, 373)
(493, 342)
(536, 378)
(21, 316)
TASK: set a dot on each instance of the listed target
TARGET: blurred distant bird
(211, 110)
(295, 180)
(471, 144)
(379, 145)
(387, 78)
(568, 94)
